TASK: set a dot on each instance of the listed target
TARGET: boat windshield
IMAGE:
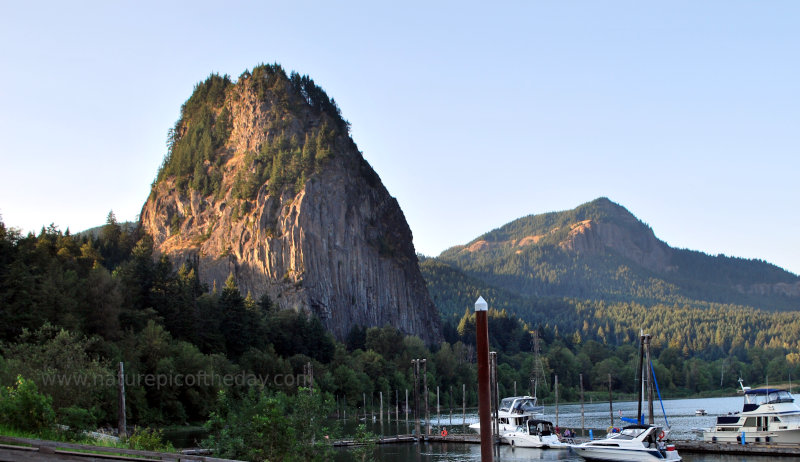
(518, 404)
(781, 396)
(629, 433)
(770, 397)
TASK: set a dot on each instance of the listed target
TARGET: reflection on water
(680, 414)
(450, 452)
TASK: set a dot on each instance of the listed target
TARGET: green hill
(598, 273)
(600, 251)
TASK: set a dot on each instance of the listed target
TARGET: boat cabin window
(540, 427)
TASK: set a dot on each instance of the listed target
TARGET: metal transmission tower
(537, 374)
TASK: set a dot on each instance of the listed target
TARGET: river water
(680, 414)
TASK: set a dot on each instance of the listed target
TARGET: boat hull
(615, 454)
(503, 428)
(528, 441)
(780, 437)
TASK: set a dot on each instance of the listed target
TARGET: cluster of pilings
(412, 408)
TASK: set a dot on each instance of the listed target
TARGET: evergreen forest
(74, 306)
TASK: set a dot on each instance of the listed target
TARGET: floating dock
(752, 449)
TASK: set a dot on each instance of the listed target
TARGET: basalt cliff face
(262, 181)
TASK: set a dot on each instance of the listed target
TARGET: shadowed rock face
(336, 244)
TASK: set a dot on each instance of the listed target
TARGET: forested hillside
(705, 329)
(600, 251)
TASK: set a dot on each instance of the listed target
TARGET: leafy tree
(271, 426)
(63, 366)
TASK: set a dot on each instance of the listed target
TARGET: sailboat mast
(649, 369)
(639, 382)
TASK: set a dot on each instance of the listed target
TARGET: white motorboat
(633, 443)
(769, 415)
(535, 434)
(638, 442)
(513, 412)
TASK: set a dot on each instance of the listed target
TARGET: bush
(22, 407)
(265, 425)
(149, 439)
(77, 420)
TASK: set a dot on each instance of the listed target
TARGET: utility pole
(415, 362)
(122, 422)
(427, 411)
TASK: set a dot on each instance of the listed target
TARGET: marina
(397, 442)
(468, 443)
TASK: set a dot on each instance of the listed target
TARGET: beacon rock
(331, 241)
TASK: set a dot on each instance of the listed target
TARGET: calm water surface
(679, 413)
(430, 452)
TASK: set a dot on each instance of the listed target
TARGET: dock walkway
(753, 449)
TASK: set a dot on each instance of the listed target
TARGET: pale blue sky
(687, 113)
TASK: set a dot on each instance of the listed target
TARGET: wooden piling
(556, 393)
(484, 391)
(610, 401)
(583, 424)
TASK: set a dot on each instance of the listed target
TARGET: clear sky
(473, 113)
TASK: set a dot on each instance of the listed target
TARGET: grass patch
(141, 439)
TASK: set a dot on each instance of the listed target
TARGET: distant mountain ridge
(601, 251)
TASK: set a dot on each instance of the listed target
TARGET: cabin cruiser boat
(513, 412)
(535, 434)
(769, 415)
(640, 442)
(633, 443)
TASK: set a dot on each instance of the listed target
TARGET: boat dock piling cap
(481, 305)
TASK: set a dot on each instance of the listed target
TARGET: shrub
(22, 407)
(149, 439)
(265, 425)
(77, 420)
